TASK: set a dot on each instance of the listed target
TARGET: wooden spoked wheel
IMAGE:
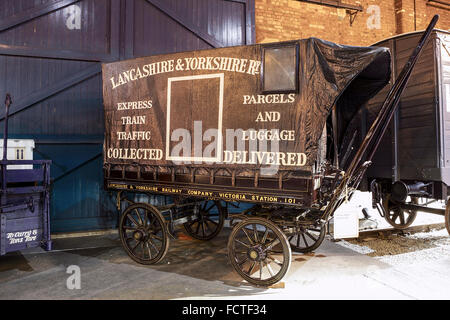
(143, 233)
(259, 251)
(307, 238)
(210, 216)
(396, 216)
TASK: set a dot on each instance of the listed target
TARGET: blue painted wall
(50, 61)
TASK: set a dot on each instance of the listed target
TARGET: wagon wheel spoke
(402, 217)
(298, 240)
(310, 236)
(395, 216)
(151, 223)
(242, 262)
(134, 248)
(264, 238)
(129, 228)
(212, 215)
(278, 262)
(146, 219)
(272, 274)
(210, 207)
(252, 267)
(152, 244)
(248, 236)
(132, 220)
(207, 226)
(212, 221)
(203, 228)
(139, 216)
(149, 251)
(198, 227)
(255, 233)
(192, 222)
(157, 237)
(244, 244)
(272, 244)
(129, 239)
(304, 239)
(260, 269)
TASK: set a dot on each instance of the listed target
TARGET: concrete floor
(200, 270)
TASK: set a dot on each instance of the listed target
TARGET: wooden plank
(32, 175)
(250, 35)
(74, 168)
(24, 51)
(160, 5)
(129, 30)
(30, 14)
(114, 33)
(62, 85)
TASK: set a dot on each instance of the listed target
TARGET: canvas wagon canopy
(245, 107)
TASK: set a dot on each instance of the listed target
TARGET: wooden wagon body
(237, 124)
(265, 124)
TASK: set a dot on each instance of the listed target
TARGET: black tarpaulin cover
(208, 108)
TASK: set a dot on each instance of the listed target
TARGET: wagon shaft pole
(379, 126)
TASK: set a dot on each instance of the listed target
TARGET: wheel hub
(256, 253)
(139, 235)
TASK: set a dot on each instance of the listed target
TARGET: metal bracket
(352, 14)
(118, 200)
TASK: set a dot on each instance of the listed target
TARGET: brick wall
(279, 20)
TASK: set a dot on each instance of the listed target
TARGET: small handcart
(24, 202)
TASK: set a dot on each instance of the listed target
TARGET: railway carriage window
(280, 68)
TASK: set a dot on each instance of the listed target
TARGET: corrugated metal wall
(50, 61)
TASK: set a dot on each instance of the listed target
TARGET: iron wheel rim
(143, 234)
(397, 217)
(259, 251)
(307, 238)
(208, 224)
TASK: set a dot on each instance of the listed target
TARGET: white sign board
(18, 149)
(346, 221)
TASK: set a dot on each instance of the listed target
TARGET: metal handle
(8, 100)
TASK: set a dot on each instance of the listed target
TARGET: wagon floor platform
(200, 270)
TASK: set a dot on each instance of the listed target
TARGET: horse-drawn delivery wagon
(261, 124)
